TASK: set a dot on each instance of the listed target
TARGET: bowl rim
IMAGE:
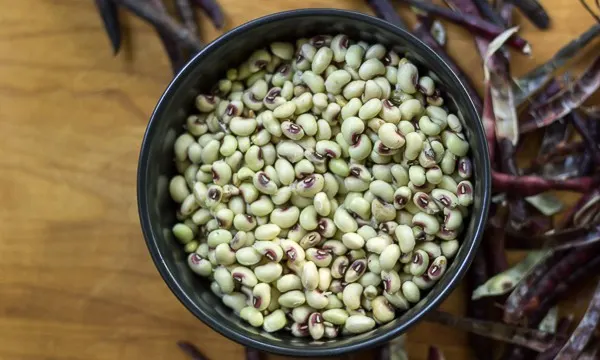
(282, 348)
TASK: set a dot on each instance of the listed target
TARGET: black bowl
(157, 210)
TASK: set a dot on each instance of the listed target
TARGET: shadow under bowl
(157, 210)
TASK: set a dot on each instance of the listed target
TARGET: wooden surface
(76, 281)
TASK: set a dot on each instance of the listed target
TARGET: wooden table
(76, 280)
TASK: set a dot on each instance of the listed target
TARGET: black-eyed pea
(358, 324)
(326, 227)
(203, 250)
(411, 291)
(316, 299)
(336, 288)
(206, 103)
(300, 201)
(199, 265)
(356, 269)
(299, 330)
(316, 328)
(308, 219)
(308, 124)
(382, 190)
(377, 244)
(351, 108)
(448, 183)
(214, 287)
(344, 221)
(408, 77)
(354, 89)
(361, 149)
(455, 143)
(464, 191)
(244, 276)
(269, 249)
(293, 251)
(389, 257)
(353, 241)
(339, 267)
(416, 174)
(224, 255)
(224, 217)
(383, 311)
(224, 279)
(321, 258)
(292, 299)
(285, 217)
(423, 282)
(425, 203)
(310, 276)
(428, 127)
(254, 158)
(336, 81)
(331, 112)
(386, 90)
(219, 236)
(321, 60)
(410, 109)
(454, 123)
(248, 256)
(370, 109)
(351, 295)
(275, 321)
(437, 268)
(300, 314)
(372, 90)
(420, 263)
(268, 272)
(354, 56)
(414, 145)
(449, 248)
(391, 281)
(183, 233)
(382, 211)
(453, 219)
(196, 124)
(371, 68)
(370, 280)
(262, 207)
(235, 301)
(289, 282)
(253, 316)
(352, 128)
(397, 300)
(284, 111)
(434, 175)
(321, 203)
(465, 168)
(285, 170)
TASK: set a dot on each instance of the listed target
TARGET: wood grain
(76, 281)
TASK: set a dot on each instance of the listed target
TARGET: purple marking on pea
(387, 59)
(355, 172)
(387, 284)
(464, 189)
(230, 110)
(359, 266)
(417, 259)
(263, 179)
(272, 95)
(356, 142)
(400, 200)
(291, 254)
(300, 57)
(344, 42)
(284, 69)
(388, 104)
(315, 318)
(322, 254)
(256, 302)
(434, 271)
(308, 181)
(213, 194)
(271, 255)
(210, 98)
(260, 154)
(215, 175)
(318, 41)
(238, 277)
(384, 150)
(423, 200)
(261, 64)
(294, 129)
(249, 218)
(195, 259)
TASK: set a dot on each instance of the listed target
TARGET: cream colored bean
(316, 299)
(200, 266)
(248, 256)
(322, 204)
(235, 301)
(356, 269)
(414, 145)
(353, 241)
(285, 218)
(397, 300)
(290, 151)
(308, 123)
(361, 149)
(335, 316)
(310, 276)
(358, 324)
(324, 278)
(386, 88)
(301, 313)
(428, 222)
(268, 272)
(370, 69)
(354, 89)
(408, 77)
(391, 281)
(389, 257)
(336, 81)
(292, 299)
(244, 276)
(224, 255)
(321, 60)
(354, 56)
(344, 221)
(372, 91)
(315, 82)
(411, 291)
(274, 321)
(334, 301)
(382, 309)
(410, 109)
(292, 250)
(253, 316)
(351, 108)
(370, 109)
(223, 277)
(289, 282)
(351, 295)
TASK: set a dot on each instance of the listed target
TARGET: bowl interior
(156, 168)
